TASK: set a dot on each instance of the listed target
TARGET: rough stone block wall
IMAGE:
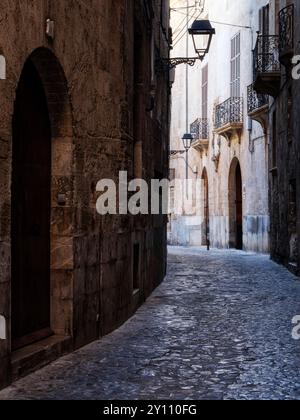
(285, 176)
(88, 73)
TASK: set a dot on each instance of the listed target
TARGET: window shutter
(235, 64)
(264, 20)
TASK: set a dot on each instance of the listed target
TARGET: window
(205, 92)
(235, 62)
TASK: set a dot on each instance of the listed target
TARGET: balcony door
(264, 20)
(264, 30)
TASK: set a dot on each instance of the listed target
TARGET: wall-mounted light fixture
(2, 67)
(187, 140)
(50, 28)
(202, 33)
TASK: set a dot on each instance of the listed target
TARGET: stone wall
(99, 111)
(285, 175)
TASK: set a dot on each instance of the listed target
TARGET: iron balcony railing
(229, 112)
(266, 55)
(255, 100)
(286, 29)
(199, 129)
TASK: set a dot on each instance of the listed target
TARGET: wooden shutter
(264, 20)
(235, 63)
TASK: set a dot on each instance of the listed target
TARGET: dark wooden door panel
(239, 209)
(31, 195)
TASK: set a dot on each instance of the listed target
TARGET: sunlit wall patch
(2, 67)
(2, 328)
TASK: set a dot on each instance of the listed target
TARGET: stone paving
(219, 327)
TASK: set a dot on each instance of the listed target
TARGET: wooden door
(31, 209)
(239, 208)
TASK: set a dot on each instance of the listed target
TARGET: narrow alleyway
(218, 328)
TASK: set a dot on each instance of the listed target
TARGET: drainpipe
(251, 143)
(187, 94)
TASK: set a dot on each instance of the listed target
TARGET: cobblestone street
(218, 328)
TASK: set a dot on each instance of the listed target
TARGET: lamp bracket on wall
(174, 62)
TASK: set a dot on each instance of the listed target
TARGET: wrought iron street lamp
(187, 140)
(202, 33)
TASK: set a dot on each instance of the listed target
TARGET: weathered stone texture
(285, 174)
(90, 79)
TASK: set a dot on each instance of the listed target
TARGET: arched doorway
(42, 159)
(205, 203)
(235, 206)
(31, 209)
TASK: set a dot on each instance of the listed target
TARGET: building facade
(82, 97)
(276, 75)
(215, 101)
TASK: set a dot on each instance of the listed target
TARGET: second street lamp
(187, 143)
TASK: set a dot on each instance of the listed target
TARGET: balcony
(267, 71)
(229, 119)
(200, 132)
(258, 106)
(286, 35)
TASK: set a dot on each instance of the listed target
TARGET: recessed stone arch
(235, 200)
(49, 71)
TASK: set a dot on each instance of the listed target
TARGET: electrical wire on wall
(194, 12)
